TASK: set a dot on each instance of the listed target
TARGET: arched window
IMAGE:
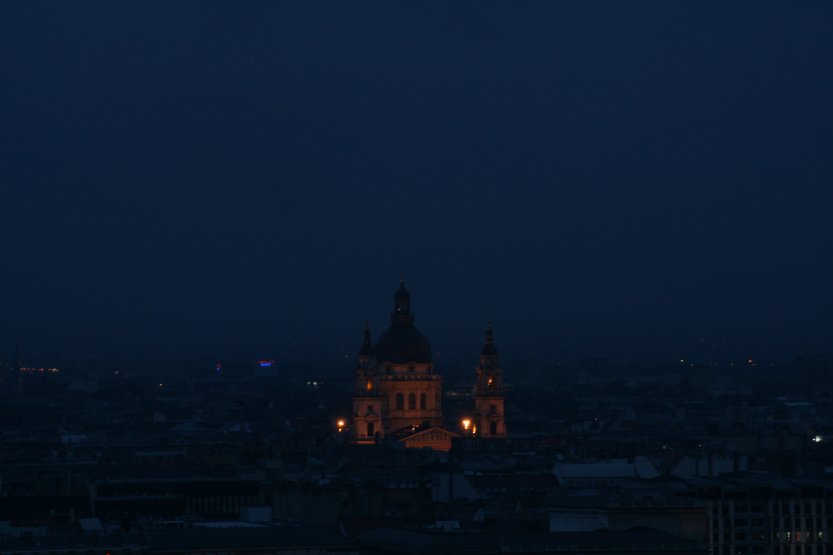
(400, 401)
(371, 429)
(492, 428)
(411, 400)
(423, 402)
(369, 384)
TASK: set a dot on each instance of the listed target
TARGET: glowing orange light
(466, 423)
(341, 424)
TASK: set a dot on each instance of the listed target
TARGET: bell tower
(367, 400)
(488, 393)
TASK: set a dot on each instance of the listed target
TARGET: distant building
(397, 389)
(816, 370)
(398, 392)
(488, 394)
(603, 473)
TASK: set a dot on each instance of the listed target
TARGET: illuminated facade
(397, 389)
(398, 393)
(488, 393)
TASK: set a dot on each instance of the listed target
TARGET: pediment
(433, 434)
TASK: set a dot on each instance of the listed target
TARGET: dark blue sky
(232, 176)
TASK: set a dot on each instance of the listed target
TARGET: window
(411, 400)
(371, 429)
(369, 384)
(492, 428)
(369, 409)
(423, 401)
(400, 401)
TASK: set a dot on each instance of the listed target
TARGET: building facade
(488, 393)
(397, 388)
(399, 393)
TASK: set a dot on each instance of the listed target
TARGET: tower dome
(489, 348)
(367, 348)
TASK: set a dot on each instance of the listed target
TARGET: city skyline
(422, 278)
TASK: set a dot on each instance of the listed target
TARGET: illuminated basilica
(399, 394)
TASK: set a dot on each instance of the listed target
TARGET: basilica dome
(403, 342)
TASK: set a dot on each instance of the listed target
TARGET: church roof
(489, 348)
(367, 348)
(402, 293)
(403, 342)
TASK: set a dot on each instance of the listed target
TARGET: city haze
(643, 180)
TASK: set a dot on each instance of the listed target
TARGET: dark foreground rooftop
(395, 540)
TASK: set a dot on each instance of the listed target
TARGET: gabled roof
(640, 467)
(433, 437)
(428, 432)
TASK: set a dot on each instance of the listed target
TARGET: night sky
(245, 177)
